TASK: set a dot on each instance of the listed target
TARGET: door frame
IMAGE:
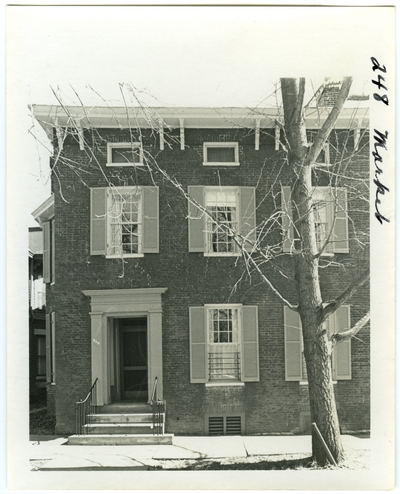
(107, 305)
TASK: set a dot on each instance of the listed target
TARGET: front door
(134, 375)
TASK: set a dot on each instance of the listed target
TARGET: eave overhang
(45, 211)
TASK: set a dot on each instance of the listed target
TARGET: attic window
(124, 154)
(221, 154)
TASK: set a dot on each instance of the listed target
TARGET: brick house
(37, 329)
(142, 284)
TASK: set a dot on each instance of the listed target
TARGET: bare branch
(335, 304)
(350, 333)
(330, 122)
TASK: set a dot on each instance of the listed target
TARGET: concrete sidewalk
(54, 454)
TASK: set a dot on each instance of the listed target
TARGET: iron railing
(84, 411)
(158, 411)
(224, 366)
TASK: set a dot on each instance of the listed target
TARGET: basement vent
(225, 425)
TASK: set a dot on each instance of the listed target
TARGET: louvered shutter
(340, 230)
(341, 358)
(287, 219)
(53, 252)
(250, 351)
(53, 347)
(48, 348)
(98, 221)
(198, 345)
(248, 215)
(293, 354)
(196, 219)
(46, 252)
(150, 220)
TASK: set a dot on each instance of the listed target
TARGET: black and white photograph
(200, 247)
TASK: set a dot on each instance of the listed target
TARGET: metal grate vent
(216, 426)
(220, 425)
(233, 426)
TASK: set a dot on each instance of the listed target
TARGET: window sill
(124, 164)
(124, 256)
(305, 383)
(212, 384)
(220, 163)
(222, 254)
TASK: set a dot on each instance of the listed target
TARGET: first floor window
(125, 221)
(41, 356)
(221, 222)
(223, 344)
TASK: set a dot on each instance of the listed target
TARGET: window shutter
(196, 219)
(198, 345)
(287, 219)
(52, 251)
(248, 215)
(46, 252)
(53, 347)
(48, 348)
(98, 221)
(150, 220)
(341, 358)
(251, 368)
(293, 355)
(340, 230)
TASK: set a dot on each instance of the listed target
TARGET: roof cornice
(51, 116)
(45, 211)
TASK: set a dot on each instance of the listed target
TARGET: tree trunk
(316, 345)
(317, 350)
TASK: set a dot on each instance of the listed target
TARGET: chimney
(329, 94)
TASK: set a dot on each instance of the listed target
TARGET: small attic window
(221, 154)
(124, 154)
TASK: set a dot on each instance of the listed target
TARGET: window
(49, 251)
(124, 221)
(223, 344)
(329, 210)
(40, 356)
(216, 215)
(221, 154)
(124, 154)
(50, 348)
(324, 156)
(337, 322)
(221, 221)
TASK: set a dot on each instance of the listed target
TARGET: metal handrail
(84, 410)
(158, 410)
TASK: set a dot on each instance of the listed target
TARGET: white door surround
(107, 304)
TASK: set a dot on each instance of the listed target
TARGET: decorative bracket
(277, 136)
(357, 130)
(182, 133)
(60, 136)
(80, 136)
(257, 141)
(161, 135)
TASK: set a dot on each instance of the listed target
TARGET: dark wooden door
(134, 373)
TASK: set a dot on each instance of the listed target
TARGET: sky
(174, 56)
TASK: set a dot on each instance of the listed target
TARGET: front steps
(121, 424)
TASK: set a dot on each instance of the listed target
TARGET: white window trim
(235, 190)
(234, 145)
(116, 145)
(116, 190)
(227, 382)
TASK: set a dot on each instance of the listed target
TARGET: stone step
(119, 439)
(122, 418)
(140, 428)
(122, 407)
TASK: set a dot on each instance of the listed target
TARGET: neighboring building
(142, 284)
(37, 329)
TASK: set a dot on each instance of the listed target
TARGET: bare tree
(262, 253)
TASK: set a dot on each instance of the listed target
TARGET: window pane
(125, 155)
(221, 154)
(125, 222)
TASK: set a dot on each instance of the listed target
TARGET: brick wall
(271, 405)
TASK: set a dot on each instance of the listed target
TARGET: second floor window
(124, 154)
(221, 221)
(125, 220)
(221, 154)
